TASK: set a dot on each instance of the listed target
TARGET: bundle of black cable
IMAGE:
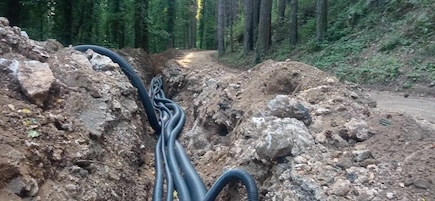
(169, 153)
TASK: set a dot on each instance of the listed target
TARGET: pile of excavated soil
(301, 133)
(161, 58)
(70, 125)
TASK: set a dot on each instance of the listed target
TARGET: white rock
(277, 137)
(340, 187)
(390, 195)
(300, 160)
(35, 79)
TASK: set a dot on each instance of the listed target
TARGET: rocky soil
(300, 132)
(72, 128)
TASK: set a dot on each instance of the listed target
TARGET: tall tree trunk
(281, 10)
(256, 18)
(13, 10)
(255, 13)
(68, 19)
(193, 32)
(264, 28)
(141, 25)
(138, 24)
(321, 12)
(171, 23)
(145, 31)
(201, 31)
(248, 42)
(293, 22)
(221, 42)
(232, 8)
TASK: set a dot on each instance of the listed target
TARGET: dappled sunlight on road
(186, 60)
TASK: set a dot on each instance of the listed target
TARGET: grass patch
(379, 69)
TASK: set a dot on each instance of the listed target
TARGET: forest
(363, 41)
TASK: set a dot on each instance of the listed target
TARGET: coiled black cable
(178, 168)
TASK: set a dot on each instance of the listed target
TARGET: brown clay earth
(408, 139)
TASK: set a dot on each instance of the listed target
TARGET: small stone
(71, 187)
(322, 111)
(284, 106)
(401, 184)
(340, 187)
(211, 83)
(102, 63)
(4, 21)
(432, 84)
(344, 162)
(300, 160)
(361, 155)
(354, 95)
(320, 138)
(423, 184)
(24, 34)
(390, 195)
(357, 130)
(331, 81)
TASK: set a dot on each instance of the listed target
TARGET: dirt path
(422, 108)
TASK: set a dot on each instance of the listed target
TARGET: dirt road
(423, 108)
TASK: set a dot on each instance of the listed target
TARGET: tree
(281, 10)
(12, 11)
(171, 23)
(293, 22)
(248, 42)
(232, 16)
(141, 25)
(321, 13)
(264, 26)
(221, 47)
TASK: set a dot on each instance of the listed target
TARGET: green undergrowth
(366, 44)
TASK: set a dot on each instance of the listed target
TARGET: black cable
(132, 76)
(178, 168)
(233, 175)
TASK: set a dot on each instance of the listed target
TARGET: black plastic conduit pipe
(172, 120)
(132, 76)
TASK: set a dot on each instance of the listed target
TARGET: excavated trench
(301, 133)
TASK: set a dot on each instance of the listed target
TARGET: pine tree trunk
(232, 8)
(264, 28)
(13, 11)
(281, 10)
(201, 25)
(293, 22)
(248, 42)
(68, 15)
(171, 23)
(221, 42)
(321, 12)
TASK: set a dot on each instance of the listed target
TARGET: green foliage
(380, 69)
(393, 42)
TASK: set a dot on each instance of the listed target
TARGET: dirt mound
(161, 58)
(143, 62)
(70, 128)
(302, 134)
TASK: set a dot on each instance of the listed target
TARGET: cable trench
(172, 165)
